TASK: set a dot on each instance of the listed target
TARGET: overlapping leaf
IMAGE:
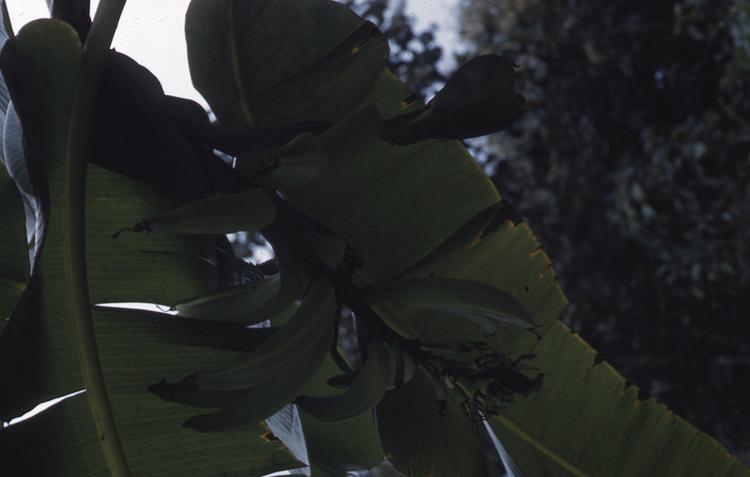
(290, 61)
(395, 205)
(38, 359)
(137, 350)
(585, 420)
(14, 264)
(341, 69)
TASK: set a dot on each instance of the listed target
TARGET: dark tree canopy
(633, 165)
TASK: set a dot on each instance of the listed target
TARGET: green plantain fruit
(284, 348)
(251, 303)
(265, 399)
(366, 391)
(472, 300)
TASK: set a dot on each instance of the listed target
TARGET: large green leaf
(131, 268)
(14, 266)
(139, 349)
(245, 58)
(372, 197)
(320, 62)
(48, 134)
(412, 425)
(585, 420)
(38, 357)
(588, 421)
(395, 205)
(333, 448)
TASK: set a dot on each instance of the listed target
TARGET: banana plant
(114, 192)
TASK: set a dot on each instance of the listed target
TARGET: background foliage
(633, 166)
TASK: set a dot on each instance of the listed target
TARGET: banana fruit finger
(472, 300)
(251, 303)
(263, 400)
(284, 348)
(404, 366)
(366, 391)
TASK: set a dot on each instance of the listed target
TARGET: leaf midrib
(91, 66)
(539, 445)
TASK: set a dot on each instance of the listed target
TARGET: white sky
(152, 33)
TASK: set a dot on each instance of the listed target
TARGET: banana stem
(73, 214)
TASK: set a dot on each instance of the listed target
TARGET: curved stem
(73, 200)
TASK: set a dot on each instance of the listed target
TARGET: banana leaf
(394, 206)
(137, 350)
(38, 357)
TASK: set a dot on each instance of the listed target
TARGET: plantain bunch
(301, 295)
(302, 292)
